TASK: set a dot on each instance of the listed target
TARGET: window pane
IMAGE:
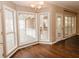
(59, 27)
(27, 28)
(8, 21)
(58, 24)
(66, 25)
(21, 26)
(69, 26)
(31, 26)
(10, 39)
(10, 43)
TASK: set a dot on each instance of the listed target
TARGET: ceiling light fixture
(37, 5)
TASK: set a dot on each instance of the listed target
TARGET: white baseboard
(45, 42)
(22, 47)
(56, 41)
(69, 36)
(63, 39)
(34, 43)
(12, 53)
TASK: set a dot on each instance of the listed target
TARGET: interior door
(27, 28)
(43, 26)
(9, 28)
(59, 27)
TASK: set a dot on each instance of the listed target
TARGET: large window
(9, 29)
(27, 27)
(69, 28)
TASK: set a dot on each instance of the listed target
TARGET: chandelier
(37, 5)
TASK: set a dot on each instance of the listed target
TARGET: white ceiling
(74, 5)
(24, 3)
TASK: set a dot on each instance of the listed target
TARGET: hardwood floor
(64, 49)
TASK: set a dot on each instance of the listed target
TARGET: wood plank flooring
(68, 48)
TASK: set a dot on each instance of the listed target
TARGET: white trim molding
(45, 42)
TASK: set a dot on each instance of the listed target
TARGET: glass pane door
(59, 29)
(43, 27)
(9, 25)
